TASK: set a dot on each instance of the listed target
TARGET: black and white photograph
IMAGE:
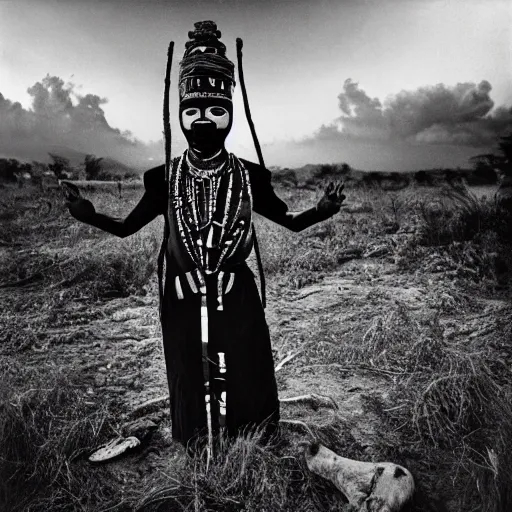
(255, 256)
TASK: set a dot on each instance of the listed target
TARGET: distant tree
(373, 178)
(14, 171)
(61, 166)
(92, 167)
(451, 176)
(8, 169)
(505, 145)
(38, 173)
(326, 171)
(345, 169)
(285, 177)
(504, 193)
(501, 162)
(131, 175)
(484, 170)
(423, 178)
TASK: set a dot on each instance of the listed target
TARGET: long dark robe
(240, 331)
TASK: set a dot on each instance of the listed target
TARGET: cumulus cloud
(60, 117)
(460, 115)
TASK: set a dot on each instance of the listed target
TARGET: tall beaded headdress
(205, 71)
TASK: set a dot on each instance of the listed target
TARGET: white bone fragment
(114, 448)
(368, 486)
(179, 289)
(312, 399)
(230, 282)
(191, 282)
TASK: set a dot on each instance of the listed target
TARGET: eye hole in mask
(189, 115)
(217, 111)
(219, 115)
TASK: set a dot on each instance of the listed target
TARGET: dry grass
(456, 214)
(449, 403)
(248, 476)
(46, 427)
(462, 235)
(447, 412)
(47, 245)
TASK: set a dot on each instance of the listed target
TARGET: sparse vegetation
(47, 425)
(92, 167)
(60, 166)
(441, 408)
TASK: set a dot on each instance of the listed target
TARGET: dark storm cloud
(459, 115)
(61, 117)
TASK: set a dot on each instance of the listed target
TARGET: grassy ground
(399, 308)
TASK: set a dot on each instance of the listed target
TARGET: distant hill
(42, 154)
(312, 175)
(76, 159)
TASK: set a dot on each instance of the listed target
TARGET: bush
(285, 178)
(92, 166)
(456, 215)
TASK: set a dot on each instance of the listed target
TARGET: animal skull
(375, 487)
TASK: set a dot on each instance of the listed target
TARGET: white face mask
(218, 115)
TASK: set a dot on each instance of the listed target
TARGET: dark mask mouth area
(206, 139)
(204, 125)
(207, 132)
(203, 134)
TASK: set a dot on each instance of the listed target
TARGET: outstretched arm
(268, 204)
(298, 221)
(150, 205)
(145, 211)
(328, 206)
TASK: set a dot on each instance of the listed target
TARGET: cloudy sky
(381, 85)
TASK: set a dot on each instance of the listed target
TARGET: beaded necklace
(206, 167)
(208, 212)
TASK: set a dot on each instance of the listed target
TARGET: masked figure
(216, 341)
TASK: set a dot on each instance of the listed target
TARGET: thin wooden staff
(206, 377)
(239, 45)
(167, 135)
(167, 115)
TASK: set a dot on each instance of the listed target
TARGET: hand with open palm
(80, 208)
(331, 201)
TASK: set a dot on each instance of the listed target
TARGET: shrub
(456, 214)
(92, 166)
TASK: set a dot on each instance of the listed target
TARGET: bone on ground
(379, 487)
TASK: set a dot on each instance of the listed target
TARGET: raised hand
(330, 202)
(80, 208)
